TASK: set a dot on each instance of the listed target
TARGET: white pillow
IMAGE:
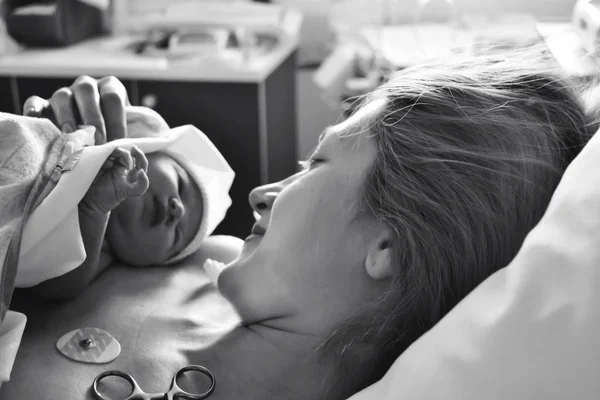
(530, 331)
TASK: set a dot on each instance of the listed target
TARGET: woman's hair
(469, 153)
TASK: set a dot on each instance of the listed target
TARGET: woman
(403, 208)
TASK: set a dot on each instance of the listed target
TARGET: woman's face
(152, 228)
(308, 250)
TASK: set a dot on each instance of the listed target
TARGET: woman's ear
(378, 263)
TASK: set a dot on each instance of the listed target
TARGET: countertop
(112, 56)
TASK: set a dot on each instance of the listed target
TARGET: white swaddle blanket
(52, 243)
(32, 153)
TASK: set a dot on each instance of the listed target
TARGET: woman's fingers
(87, 99)
(62, 106)
(113, 100)
(112, 84)
(100, 103)
(34, 106)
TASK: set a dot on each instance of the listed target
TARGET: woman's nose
(176, 209)
(262, 198)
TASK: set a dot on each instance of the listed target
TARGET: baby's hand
(123, 175)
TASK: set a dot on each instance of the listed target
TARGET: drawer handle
(149, 100)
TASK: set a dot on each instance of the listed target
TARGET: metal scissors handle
(174, 393)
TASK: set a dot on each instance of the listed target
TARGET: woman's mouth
(257, 232)
(252, 237)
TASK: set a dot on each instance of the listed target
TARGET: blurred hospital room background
(263, 78)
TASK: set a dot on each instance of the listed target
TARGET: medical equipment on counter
(370, 46)
(365, 57)
(206, 41)
(175, 392)
(233, 31)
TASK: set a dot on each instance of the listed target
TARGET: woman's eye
(304, 165)
(311, 162)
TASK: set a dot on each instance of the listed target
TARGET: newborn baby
(155, 205)
(141, 210)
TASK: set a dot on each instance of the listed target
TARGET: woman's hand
(122, 176)
(88, 101)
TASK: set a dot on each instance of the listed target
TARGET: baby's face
(150, 229)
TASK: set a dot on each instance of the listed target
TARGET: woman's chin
(241, 272)
(236, 287)
(250, 245)
(253, 237)
(229, 281)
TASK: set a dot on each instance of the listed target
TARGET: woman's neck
(259, 361)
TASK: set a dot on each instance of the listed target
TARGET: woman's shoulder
(222, 248)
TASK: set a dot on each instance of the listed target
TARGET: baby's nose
(176, 208)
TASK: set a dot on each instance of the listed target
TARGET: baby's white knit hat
(199, 179)
(202, 161)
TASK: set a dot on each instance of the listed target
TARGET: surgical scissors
(174, 393)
